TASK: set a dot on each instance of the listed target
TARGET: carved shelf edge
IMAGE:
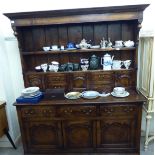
(78, 51)
(80, 71)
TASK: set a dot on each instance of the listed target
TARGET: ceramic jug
(94, 62)
(106, 61)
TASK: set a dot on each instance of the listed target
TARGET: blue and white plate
(90, 94)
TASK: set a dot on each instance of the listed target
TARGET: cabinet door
(119, 127)
(116, 133)
(43, 136)
(79, 134)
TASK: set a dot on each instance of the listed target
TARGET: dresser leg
(9, 137)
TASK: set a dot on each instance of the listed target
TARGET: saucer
(55, 49)
(121, 95)
(71, 48)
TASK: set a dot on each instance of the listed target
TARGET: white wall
(11, 80)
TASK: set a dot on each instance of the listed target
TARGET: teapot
(128, 43)
(84, 45)
(94, 62)
(106, 61)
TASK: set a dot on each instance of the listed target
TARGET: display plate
(90, 94)
(73, 95)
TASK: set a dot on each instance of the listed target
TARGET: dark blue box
(36, 99)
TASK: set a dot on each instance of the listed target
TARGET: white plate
(30, 91)
(96, 46)
(73, 95)
(90, 94)
(55, 49)
(122, 95)
(71, 48)
(32, 96)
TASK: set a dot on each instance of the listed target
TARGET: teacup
(119, 43)
(54, 47)
(119, 90)
(84, 67)
(44, 67)
(46, 48)
(117, 64)
(127, 63)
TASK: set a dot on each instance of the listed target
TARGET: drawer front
(55, 81)
(34, 80)
(102, 87)
(76, 111)
(55, 86)
(118, 110)
(56, 78)
(102, 78)
(35, 112)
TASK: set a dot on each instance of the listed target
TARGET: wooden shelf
(80, 71)
(79, 51)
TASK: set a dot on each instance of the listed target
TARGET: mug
(76, 66)
(127, 63)
(69, 67)
(117, 64)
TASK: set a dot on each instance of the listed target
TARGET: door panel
(43, 136)
(79, 134)
(116, 133)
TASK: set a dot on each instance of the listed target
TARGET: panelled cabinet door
(79, 134)
(114, 134)
(43, 136)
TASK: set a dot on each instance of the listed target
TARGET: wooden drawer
(102, 87)
(56, 85)
(56, 77)
(76, 111)
(33, 112)
(55, 81)
(118, 110)
(102, 76)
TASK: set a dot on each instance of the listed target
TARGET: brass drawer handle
(68, 111)
(87, 112)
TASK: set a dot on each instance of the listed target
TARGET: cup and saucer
(119, 92)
